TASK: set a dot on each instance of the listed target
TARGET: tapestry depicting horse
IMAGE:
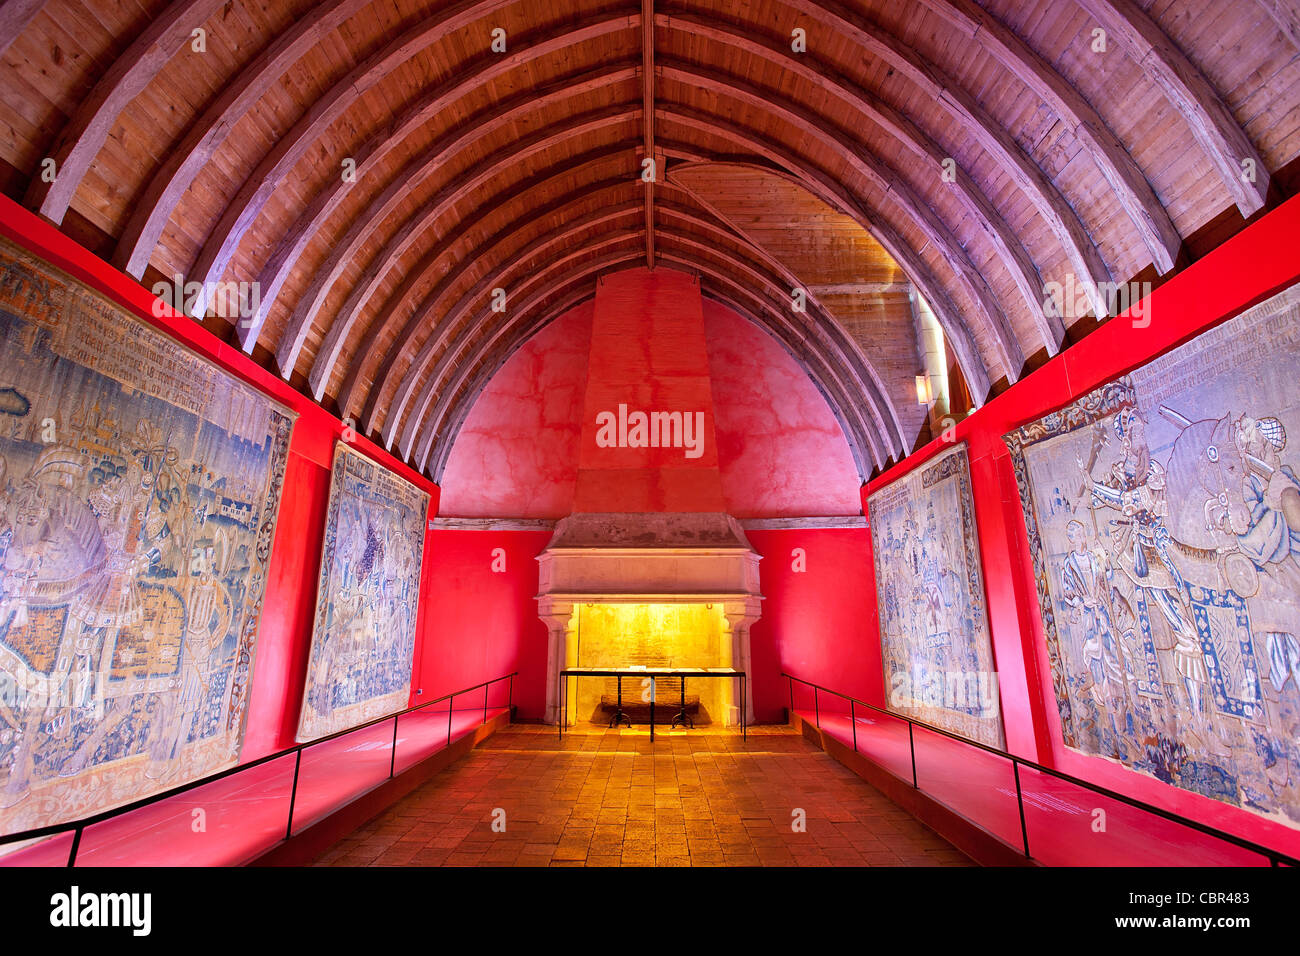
(139, 490)
(364, 639)
(934, 631)
(1163, 513)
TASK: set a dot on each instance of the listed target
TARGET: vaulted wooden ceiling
(379, 169)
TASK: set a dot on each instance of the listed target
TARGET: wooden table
(653, 673)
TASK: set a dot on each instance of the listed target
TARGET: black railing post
(451, 707)
(510, 696)
(853, 719)
(485, 700)
(72, 853)
(1020, 801)
(791, 680)
(392, 763)
(293, 792)
(911, 745)
(817, 708)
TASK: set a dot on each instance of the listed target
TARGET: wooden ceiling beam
(81, 138)
(14, 17)
(444, 323)
(1010, 354)
(823, 370)
(807, 328)
(393, 199)
(1115, 163)
(840, 345)
(648, 122)
(870, 449)
(186, 159)
(972, 119)
(379, 145)
(587, 259)
(366, 354)
(729, 294)
(861, 288)
(1191, 93)
(246, 205)
(422, 219)
(970, 196)
(819, 322)
(461, 409)
(836, 195)
(1285, 13)
(456, 402)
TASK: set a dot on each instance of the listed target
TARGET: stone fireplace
(661, 589)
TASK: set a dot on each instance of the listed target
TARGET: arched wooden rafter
(1012, 355)
(456, 403)
(84, 134)
(835, 194)
(974, 202)
(883, 423)
(14, 17)
(187, 158)
(731, 298)
(393, 199)
(365, 356)
(257, 189)
(783, 325)
(373, 330)
(958, 333)
(842, 347)
(378, 146)
(1223, 140)
(1121, 172)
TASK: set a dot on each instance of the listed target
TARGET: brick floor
(612, 798)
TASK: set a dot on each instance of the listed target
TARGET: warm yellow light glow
(923, 395)
(651, 635)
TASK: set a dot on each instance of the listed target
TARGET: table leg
(652, 708)
(619, 717)
(681, 708)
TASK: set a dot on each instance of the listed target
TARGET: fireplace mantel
(647, 559)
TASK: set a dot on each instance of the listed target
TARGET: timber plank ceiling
(380, 167)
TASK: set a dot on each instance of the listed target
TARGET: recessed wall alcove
(605, 578)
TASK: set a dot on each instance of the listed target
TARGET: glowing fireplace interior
(648, 590)
(650, 635)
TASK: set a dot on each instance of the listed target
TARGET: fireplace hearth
(649, 589)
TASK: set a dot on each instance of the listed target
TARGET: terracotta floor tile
(611, 798)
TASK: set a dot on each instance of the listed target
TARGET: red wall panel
(780, 449)
(818, 624)
(517, 453)
(480, 623)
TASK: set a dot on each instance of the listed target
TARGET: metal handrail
(1274, 857)
(78, 826)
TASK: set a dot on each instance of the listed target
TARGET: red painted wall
(647, 355)
(780, 449)
(818, 624)
(517, 453)
(1254, 265)
(284, 634)
(479, 622)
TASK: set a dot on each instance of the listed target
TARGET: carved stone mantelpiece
(647, 559)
